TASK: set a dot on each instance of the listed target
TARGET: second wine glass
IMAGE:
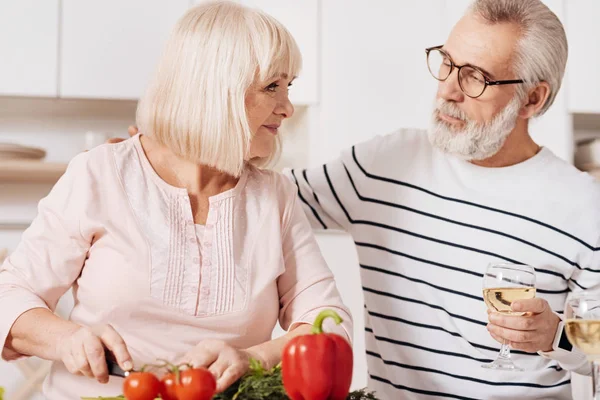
(582, 324)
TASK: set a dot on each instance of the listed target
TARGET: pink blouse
(125, 241)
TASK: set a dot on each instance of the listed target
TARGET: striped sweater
(426, 225)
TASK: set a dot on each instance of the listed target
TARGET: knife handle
(113, 366)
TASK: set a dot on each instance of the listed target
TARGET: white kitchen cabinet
(583, 76)
(29, 47)
(110, 48)
(301, 18)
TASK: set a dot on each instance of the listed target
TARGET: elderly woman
(176, 245)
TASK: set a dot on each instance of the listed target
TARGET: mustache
(445, 107)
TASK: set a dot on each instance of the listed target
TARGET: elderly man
(428, 211)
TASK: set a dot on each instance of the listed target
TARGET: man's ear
(536, 99)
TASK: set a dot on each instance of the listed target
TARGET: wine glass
(582, 324)
(502, 285)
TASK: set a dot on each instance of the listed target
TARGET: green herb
(260, 384)
(362, 394)
(1, 393)
(257, 384)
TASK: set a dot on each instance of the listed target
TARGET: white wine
(501, 299)
(585, 335)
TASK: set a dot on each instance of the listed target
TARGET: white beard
(476, 141)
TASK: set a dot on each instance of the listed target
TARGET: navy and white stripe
(426, 226)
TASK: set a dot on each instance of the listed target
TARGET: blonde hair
(195, 105)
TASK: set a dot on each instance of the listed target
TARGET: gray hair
(542, 50)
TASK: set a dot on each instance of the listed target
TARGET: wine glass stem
(596, 379)
(504, 351)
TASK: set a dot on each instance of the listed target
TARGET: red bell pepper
(317, 366)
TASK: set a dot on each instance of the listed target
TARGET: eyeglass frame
(487, 81)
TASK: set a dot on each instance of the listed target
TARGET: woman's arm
(307, 286)
(39, 332)
(269, 353)
(42, 268)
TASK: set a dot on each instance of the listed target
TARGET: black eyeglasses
(472, 80)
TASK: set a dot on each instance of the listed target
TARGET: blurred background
(71, 72)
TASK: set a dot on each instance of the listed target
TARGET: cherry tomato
(141, 386)
(168, 390)
(196, 384)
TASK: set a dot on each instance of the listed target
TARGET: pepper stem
(318, 324)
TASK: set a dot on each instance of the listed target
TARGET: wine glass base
(504, 365)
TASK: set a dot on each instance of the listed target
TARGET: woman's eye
(272, 87)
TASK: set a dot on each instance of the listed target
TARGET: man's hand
(132, 130)
(532, 332)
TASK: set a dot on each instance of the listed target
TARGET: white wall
(374, 77)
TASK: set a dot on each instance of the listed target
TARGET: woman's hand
(132, 130)
(82, 351)
(225, 362)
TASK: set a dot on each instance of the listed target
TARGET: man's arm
(331, 194)
(323, 193)
(315, 196)
(132, 131)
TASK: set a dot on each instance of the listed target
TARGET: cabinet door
(110, 48)
(29, 47)
(583, 71)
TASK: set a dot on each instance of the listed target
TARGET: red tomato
(141, 386)
(168, 391)
(196, 384)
